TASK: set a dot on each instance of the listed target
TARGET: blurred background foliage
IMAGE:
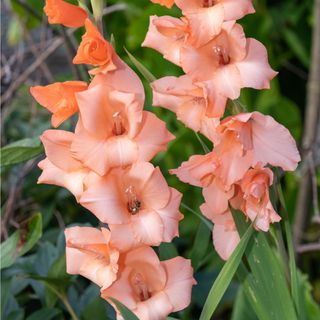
(34, 282)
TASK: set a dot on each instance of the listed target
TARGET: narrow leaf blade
(225, 276)
(125, 312)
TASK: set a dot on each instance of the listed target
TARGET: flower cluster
(105, 165)
(218, 61)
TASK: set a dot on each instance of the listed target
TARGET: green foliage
(21, 241)
(125, 312)
(20, 151)
(225, 277)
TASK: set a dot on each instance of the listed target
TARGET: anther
(222, 55)
(133, 204)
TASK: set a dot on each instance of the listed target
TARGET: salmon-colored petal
(90, 151)
(167, 3)
(122, 79)
(145, 260)
(93, 109)
(75, 257)
(73, 180)
(94, 49)
(88, 254)
(123, 237)
(59, 99)
(234, 160)
(227, 81)
(198, 170)
(65, 13)
(157, 307)
(179, 283)
(105, 201)
(188, 100)
(147, 228)
(224, 240)
(121, 290)
(255, 71)
(153, 137)
(57, 144)
(170, 216)
(273, 143)
(217, 198)
(237, 9)
(168, 46)
(156, 192)
(121, 151)
(205, 24)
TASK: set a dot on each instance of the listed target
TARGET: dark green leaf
(44, 314)
(267, 284)
(142, 69)
(21, 241)
(167, 251)
(20, 151)
(200, 245)
(8, 251)
(225, 276)
(125, 312)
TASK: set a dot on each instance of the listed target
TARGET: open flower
(229, 62)
(150, 288)
(62, 12)
(95, 50)
(167, 35)
(60, 167)
(59, 99)
(254, 197)
(138, 205)
(268, 141)
(206, 16)
(89, 254)
(114, 131)
(194, 104)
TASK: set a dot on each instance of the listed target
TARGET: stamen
(222, 55)
(208, 3)
(118, 128)
(140, 287)
(133, 205)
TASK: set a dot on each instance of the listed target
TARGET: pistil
(118, 128)
(140, 287)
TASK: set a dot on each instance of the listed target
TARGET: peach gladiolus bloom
(167, 3)
(138, 205)
(202, 171)
(268, 141)
(229, 62)
(194, 104)
(151, 288)
(62, 12)
(89, 253)
(95, 50)
(60, 167)
(59, 99)
(254, 200)
(224, 234)
(206, 16)
(114, 131)
(167, 35)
